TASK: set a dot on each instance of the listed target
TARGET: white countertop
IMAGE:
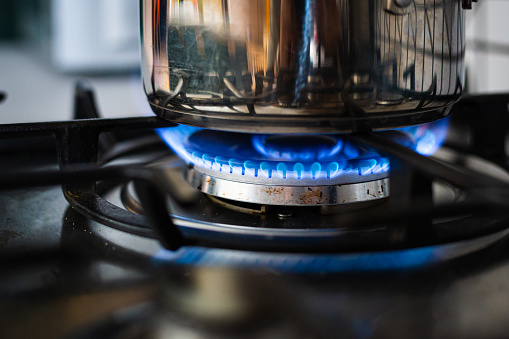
(36, 91)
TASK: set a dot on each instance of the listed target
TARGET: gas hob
(135, 251)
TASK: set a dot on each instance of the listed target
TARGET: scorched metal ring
(270, 194)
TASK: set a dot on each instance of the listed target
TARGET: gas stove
(352, 235)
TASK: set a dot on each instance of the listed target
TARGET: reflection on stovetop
(90, 288)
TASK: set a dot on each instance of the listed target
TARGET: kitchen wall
(95, 35)
(53, 43)
(488, 46)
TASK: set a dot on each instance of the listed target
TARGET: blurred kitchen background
(46, 45)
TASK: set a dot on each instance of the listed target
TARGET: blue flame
(293, 157)
(246, 154)
(426, 139)
(296, 151)
(301, 263)
(307, 157)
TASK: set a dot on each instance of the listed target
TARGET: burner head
(280, 169)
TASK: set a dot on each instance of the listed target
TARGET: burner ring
(270, 194)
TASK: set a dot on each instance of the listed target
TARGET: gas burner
(362, 245)
(290, 170)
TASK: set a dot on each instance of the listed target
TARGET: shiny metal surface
(287, 195)
(284, 66)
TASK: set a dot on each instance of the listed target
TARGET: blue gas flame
(302, 263)
(426, 139)
(312, 157)
(252, 155)
(293, 151)
(293, 157)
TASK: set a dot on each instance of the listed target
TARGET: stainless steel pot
(303, 66)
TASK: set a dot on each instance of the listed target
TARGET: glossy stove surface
(86, 282)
